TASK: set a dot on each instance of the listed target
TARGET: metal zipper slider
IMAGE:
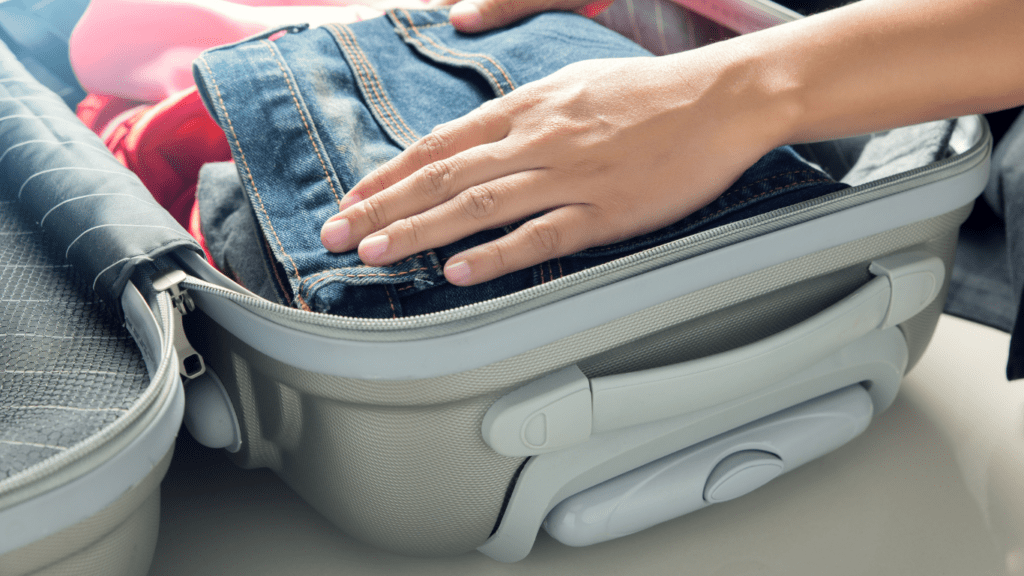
(190, 362)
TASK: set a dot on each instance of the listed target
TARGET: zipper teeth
(810, 209)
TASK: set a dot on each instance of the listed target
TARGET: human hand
(480, 15)
(601, 151)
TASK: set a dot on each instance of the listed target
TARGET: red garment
(165, 144)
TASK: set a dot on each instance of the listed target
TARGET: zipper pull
(190, 362)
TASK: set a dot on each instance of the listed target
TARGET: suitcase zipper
(453, 320)
(190, 363)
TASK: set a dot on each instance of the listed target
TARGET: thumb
(481, 15)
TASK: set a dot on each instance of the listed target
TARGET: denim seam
(273, 270)
(372, 89)
(458, 57)
(372, 77)
(356, 63)
(371, 275)
(334, 271)
(305, 121)
(438, 25)
(451, 59)
(252, 181)
(472, 55)
(394, 313)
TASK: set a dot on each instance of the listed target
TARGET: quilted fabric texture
(67, 370)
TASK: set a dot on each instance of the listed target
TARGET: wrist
(754, 103)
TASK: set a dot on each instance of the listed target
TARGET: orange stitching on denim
(273, 268)
(373, 80)
(378, 98)
(394, 313)
(223, 106)
(312, 141)
(404, 288)
(449, 59)
(357, 67)
(561, 272)
(374, 275)
(452, 56)
(469, 55)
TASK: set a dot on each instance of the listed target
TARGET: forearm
(877, 64)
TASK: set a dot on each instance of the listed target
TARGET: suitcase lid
(87, 408)
(95, 210)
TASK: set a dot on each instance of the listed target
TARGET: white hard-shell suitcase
(595, 405)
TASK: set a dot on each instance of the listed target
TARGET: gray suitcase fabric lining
(67, 370)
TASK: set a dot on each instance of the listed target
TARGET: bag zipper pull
(190, 362)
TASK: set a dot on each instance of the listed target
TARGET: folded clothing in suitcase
(441, 432)
(713, 355)
(312, 112)
(88, 414)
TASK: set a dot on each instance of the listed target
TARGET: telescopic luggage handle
(564, 408)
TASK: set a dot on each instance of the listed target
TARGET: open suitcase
(595, 405)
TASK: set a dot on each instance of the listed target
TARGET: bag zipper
(453, 320)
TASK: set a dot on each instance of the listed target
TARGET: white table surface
(935, 486)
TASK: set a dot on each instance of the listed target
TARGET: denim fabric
(233, 237)
(309, 112)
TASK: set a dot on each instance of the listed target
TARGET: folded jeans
(309, 112)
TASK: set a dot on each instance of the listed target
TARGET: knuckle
(410, 229)
(373, 210)
(490, 110)
(479, 203)
(543, 236)
(496, 254)
(439, 178)
(434, 146)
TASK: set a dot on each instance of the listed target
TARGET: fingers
(480, 15)
(429, 187)
(482, 126)
(483, 207)
(558, 233)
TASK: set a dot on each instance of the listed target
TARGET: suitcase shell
(404, 432)
(378, 423)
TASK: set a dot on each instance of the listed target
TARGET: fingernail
(374, 246)
(457, 273)
(466, 15)
(334, 233)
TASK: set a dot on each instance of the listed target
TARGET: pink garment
(143, 49)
